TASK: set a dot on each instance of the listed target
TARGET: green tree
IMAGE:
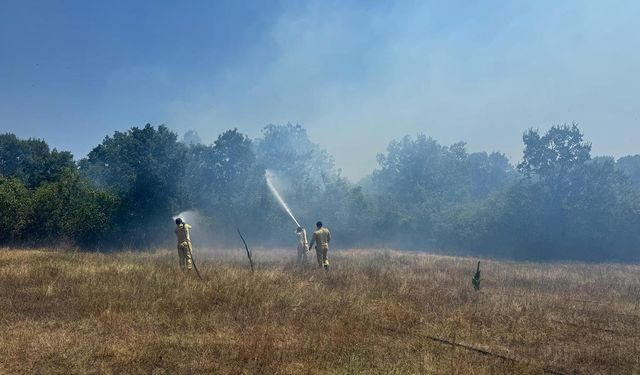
(418, 181)
(570, 207)
(489, 173)
(225, 183)
(69, 210)
(145, 168)
(421, 170)
(31, 160)
(219, 172)
(555, 159)
(288, 150)
(555, 155)
(630, 165)
(15, 209)
(306, 177)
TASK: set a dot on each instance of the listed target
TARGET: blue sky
(356, 74)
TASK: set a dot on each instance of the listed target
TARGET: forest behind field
(558, 202)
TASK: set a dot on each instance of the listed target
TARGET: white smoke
(190, 217)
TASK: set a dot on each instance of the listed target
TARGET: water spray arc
(268, 176)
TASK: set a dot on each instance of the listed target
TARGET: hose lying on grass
(439, 340)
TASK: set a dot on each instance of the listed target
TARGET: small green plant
(476, 278)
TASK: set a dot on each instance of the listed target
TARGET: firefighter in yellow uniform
(184, 244)
(302, 245)
(321, 238)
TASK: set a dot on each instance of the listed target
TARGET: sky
(356, 74)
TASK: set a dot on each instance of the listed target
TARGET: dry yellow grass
(63, 312)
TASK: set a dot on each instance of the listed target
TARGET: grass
(376, 312)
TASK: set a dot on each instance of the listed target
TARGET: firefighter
(321, 238)
(302, 245)
(184, 244)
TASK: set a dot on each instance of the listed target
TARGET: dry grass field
(375, 312)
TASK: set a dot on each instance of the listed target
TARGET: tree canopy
(31, 161)
(559, 203)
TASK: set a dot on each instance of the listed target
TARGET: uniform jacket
(321, 237)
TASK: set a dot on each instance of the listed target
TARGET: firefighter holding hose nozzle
(184, 244)
(302, 245)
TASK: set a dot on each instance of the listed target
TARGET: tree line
(559, 202)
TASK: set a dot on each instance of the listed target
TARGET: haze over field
(485, 128)
(467, 171)
(355, 74)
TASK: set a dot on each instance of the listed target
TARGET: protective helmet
(179, 221)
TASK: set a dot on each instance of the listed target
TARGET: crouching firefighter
(321, 238)
(302, 245)
(184, 244)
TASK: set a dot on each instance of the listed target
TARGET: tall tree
(224, 183)
(305, 176)
(555, 155)
(489, 173)
(417, 182)
(217, 173)
(15, 209)
(68, 209)
(421, 168)
(630, 165)
(31, 160)
(288, 150)
(570, 207)
(145, 167)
